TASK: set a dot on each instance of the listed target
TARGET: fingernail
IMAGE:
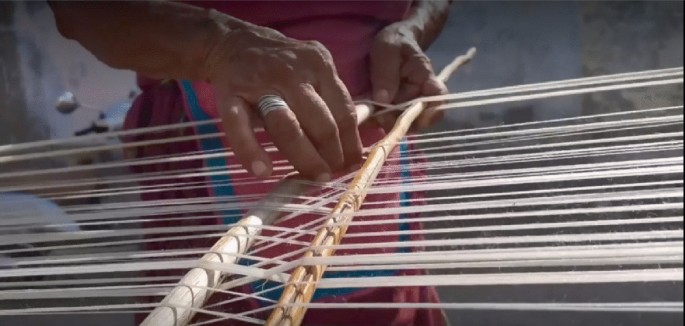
(382, 96)
(259, 168)
(324, 177)
(434, 87)
(234, 105)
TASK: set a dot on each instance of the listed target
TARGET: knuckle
(313, 43)
(318, 48)
(276, 64)
(321, 54)
(383, 38)
(304, 88)
(389, 43)
(327, 134)
(287, 129)
(422, 61)
(425, 60)
(348, 120)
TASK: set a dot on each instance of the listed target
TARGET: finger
(235, 121)
(387, 120)
(428, 118)
(430, 114)
(408, 91)
(386, 61)
(334, 92)
(287, 135)
(317, 122)
(417, 69)
(254, 117)
(433, 87)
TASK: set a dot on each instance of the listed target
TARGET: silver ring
(270, 103)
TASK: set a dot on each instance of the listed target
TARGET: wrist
(218, 31)
(426, 20)
(412, 28)
(415, 26)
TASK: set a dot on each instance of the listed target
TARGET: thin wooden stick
(303, 279)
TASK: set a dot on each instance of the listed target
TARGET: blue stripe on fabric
(221, 184)
(405, 197)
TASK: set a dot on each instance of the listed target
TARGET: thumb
(431, 115)
(386, 61)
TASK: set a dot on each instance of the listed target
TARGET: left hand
(400, 72)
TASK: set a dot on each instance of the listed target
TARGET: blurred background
(518, 42)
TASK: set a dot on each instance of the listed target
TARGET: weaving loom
(592, 199)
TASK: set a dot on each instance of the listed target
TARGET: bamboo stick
(302, 283)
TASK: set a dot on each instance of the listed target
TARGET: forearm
(427, 19)
(156, 39)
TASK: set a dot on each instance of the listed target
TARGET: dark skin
(243, 61)
(400, 70)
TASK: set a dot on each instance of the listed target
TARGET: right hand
(318, 135)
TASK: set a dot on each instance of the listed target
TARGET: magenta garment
(347, 29)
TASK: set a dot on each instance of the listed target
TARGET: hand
(318, 134)
(400, 72)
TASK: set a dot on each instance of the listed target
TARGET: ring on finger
(270, 103)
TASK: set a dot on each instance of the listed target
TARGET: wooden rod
(302, 283)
